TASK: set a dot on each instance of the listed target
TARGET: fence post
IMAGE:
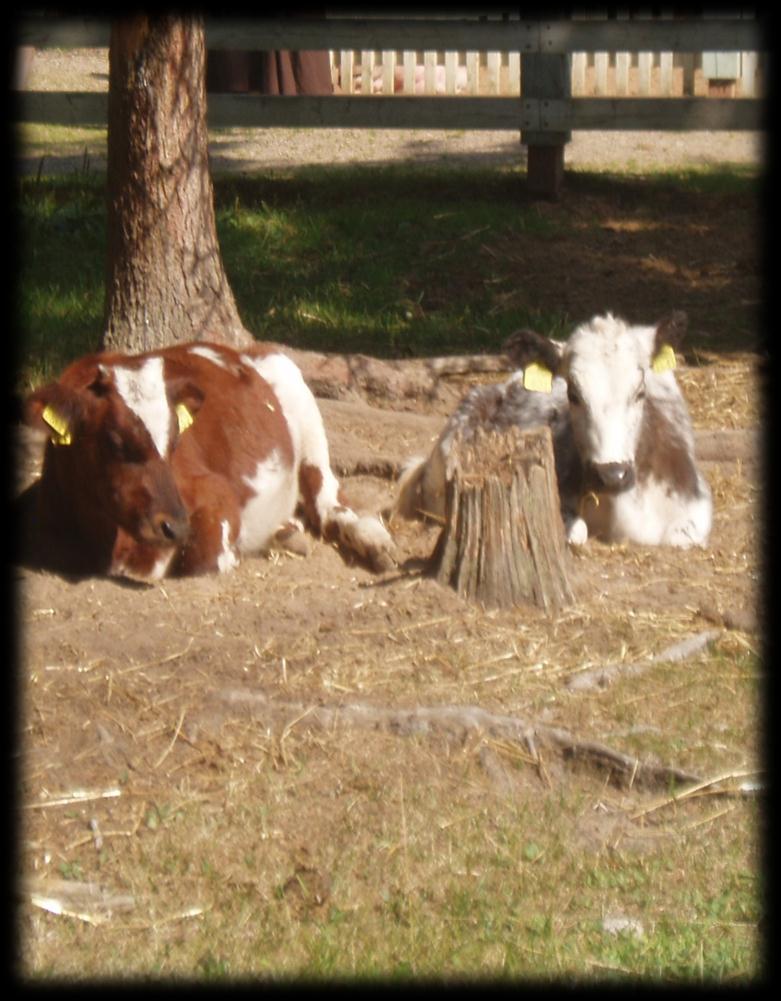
(545, 77)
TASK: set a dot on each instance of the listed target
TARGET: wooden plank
(492, 69)
(514, 73)
(429, 72)
(545, 170)
(400, 33)
(687, 64)
(545, 78)
(601, 60)
(409, 61)
(388, 71)
(645, 62)
(451, 69)
(64, 33)
(346, 71)
(381, 112)
(367, 68)
(262, 34)
(579, 61)
(666, 74)
(748, 74)
(473, 73)
(622, 60)
(259, 34)
(685, 35)
(650, 114)
(62, 107)
(543, 118)
(622, 73)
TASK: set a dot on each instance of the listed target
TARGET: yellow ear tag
(59, 426)
(184, 417)
(537, 378)
(664, 360)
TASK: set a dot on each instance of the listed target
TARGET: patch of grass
(61, 273)
(84, 142)
(385, 261)
(703, 179)
(468, 883)
(390, 261)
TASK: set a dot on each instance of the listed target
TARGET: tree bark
(503, 540)
(165, 282)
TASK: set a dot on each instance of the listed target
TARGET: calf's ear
(526, 347)
(186, 399)
(670, 331)
(55, 409)
(184, 391)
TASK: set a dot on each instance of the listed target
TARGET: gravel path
(244, 150)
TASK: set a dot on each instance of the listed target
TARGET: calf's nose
(615, 476)
(171, 528)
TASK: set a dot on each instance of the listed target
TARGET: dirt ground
(140, 702)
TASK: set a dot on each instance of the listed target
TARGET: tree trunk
(503, 540)
(165, 282)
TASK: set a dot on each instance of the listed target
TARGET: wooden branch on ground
(587, 681)
(503, 541)
(457, 721)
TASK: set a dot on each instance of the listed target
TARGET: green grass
(61, 272)
(390, 261)
(477, 910)
(387, 263)
(48, 143)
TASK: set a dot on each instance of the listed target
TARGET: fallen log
(455, 721)
(403, 382)
(502, 544)
(602, 677)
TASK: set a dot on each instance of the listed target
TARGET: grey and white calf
(622, 435)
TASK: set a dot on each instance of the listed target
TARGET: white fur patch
(605, 360)
(275, 492)
(577, 532)
(158, 570)
(364, 534)
(143, 390)
(653, 515)
(304, 421)
(210, 355)
(227, 559)
(285, 379)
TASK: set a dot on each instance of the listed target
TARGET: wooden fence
(545, 107)
(644, 74)
(597, 74)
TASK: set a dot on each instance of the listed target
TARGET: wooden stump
(503, 541)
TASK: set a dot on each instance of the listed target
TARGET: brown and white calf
(622, 436)
(179, 460)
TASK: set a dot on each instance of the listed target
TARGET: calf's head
(607, 365)
(108, 472)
